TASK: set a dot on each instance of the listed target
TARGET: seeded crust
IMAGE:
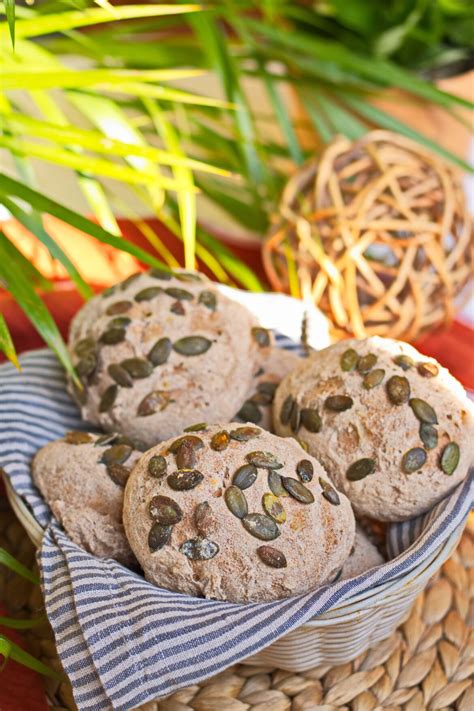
(364, 556)
(375, 428)
(316, 538)
(209, 387)
(83, 497)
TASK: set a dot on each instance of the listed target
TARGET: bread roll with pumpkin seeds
(82, 478)
(159, 352)
(235, 513)
(393, 429)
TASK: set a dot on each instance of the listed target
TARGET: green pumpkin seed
(428, 370)
(374, 378)
(311, 419)
(77, 438)
(202, 517)
(177, 308)
(112, 336)
(268, 388)
(398, 390)
(137, 368)
(337, 576)
(157, 466)
(84, 347)
(297, 490)
(160, 274)
(263, 460)
(119, 322)
(220, 441)
(156, 401)
(165, 510)
(188, 276)
(286, 410)
(159, 536)
(349, 360)
(236, 501)
(360, 469)
(192, 345)
(208, 299)
(116, 454)
(366, 363)
(105, 439)
(198, 427)
(404, 361)
(186, 456)
(428, 435)
(413, 460)
(151, 292)
(118, 473)
(119, 307)
(295, 418)
(179, 294)
(261, 398)
(193, 440)
(87, 364)
(199, 548)
(243, 434)
(273, 507)
(245, 476)
(450, 458)
(108, 398)
(184, 480)
(120, 375)
(129, 280)
(123, 439)
(261, 527)
(275, 484)
(338, 403)
(261, 336)
(109, 291)
(271, 557)
(249, 412)
(423, 411)
(160, 352)
(305, 470)
(329, 492)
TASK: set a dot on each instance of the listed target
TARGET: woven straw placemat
(427, 664)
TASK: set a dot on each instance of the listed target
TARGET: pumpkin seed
(261, 336)
(77, 438)
(271, 557)
(423, 411)
(198, 427)
(193, 440)
(116, 454)
(119, 322)
(202, 517)
(157, 466)
(160, 274)
(188, 276)
(105, 439)
(165, 510)
(186, 456)
(338, 403)
(156, 401)
(249, 412)
(179, 294)
(261, 398)
(151, 292)
(305, 470)
(428, 435)
(108, 398)
(159, 536)
(87, 364)
(297, 490)
(311, 419)
(404, 361)
(413, 460)
(236, 501)
(245, 476)
(428, 370)
(273, 507)
(118, 473)
(129, 280)
(192, 345)
(84, 346)
(220, 441)
(329, 492)
(398, 390)
(374, 378)
(177, 308)
(360, 469)
(286, 410)
(119, 307)
(137, 368)
(295, 418)
(366, 363)
(349, 360)
(109, 291)
(120, 375)
(199, 548)
(184, 480)
(263, 460)
(243, 434)
(303, 444)
(268, 388)
(275, 484)
(261, 526)
(112, 336)
(123, 439)
(208, 299)
(160, 352)
(337, 576)
(450, 458)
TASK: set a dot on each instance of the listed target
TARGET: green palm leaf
(10, 650)
(6, 343)
(10, 13)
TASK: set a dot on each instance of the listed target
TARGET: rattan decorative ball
(377, 234)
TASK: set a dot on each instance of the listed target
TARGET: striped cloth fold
(123, 641)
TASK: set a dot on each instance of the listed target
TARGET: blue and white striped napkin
(123, 641)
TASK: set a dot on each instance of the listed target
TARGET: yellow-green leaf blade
(6, 343)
